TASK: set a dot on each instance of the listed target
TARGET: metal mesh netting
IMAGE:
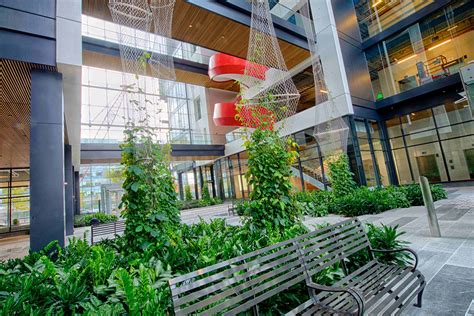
(267, 90)
(332, 134)
(133, 18)
(161, 60)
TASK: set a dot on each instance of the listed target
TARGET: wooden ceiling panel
(192, 24)
(15, 89)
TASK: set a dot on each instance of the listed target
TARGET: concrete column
(330, 52)
(77, 194)
(69, 190)
(47, 218)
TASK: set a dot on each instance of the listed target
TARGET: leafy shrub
(205, 192)
(340, 175)
(415, 197)
(382, 237)
(314, 203)
(85, 219)
(188, 196)
(365, 201)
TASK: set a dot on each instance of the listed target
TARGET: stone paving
(446, 262)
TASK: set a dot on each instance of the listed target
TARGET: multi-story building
(393, 68)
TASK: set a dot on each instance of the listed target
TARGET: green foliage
(106, 279)
(205, 192)
(269, 170)
(382, 237)
(340, 175)
(85, 219)
(415, 197)
(314, 203)
(366, 201)
(188, 196)
(149, 202)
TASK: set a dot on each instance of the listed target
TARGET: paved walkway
(446, 262)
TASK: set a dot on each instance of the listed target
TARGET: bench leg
(419, 299)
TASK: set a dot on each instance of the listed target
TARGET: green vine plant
(340, 175)
(149, 203)
(270, 158)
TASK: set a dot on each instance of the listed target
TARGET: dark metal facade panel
(429, 88)
(46, 8)
(25, 22)
(27, 48)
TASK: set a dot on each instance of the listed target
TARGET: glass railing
(107, 31)
(115, 136)
(287, 10)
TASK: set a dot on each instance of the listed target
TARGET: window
(434, 48)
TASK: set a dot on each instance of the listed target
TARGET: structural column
(47, 220)
(77, 193)
(68, 190)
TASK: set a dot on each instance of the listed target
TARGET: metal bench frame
(112, 229)
(240, 284)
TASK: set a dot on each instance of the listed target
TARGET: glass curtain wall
(14, 200)
(436, 143)
(435, 47)
(104, 108)
(93, 178)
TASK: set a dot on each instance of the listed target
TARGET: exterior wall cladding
(423, 129)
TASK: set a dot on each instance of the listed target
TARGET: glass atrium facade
(434, 48)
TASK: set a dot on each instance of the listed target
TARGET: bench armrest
(399, 250)
(355, 293)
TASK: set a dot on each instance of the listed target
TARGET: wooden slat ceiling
(192, 24)
(15, 88)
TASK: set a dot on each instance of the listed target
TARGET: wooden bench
(242, 283)
(107, 229)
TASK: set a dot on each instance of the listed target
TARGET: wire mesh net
(332, 134)
(133, 18)
(267, 89)
(161, 60)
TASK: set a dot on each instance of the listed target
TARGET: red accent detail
(222, 64)
(223, 67)
(224, 114)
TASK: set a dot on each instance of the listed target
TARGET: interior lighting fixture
(376, 3)
(440, 44)
(408, 58)
(323, 91)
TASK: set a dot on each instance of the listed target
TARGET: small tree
(340, 175)
(188, 196)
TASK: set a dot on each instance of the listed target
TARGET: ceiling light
(190, 25)
(376, 3)
(440, 44)
(405, 59)
(323, 91)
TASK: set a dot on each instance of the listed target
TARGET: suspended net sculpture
(161, 60)
(133, 18)
(268, 94)
(332, 134)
